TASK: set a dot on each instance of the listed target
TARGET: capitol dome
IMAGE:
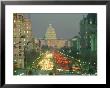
(50, 33)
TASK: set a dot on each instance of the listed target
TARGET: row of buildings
(22, 38)
(85, 43)
(51, 39)
(24, 44)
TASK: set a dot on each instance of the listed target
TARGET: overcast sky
(66, 24)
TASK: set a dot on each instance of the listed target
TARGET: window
(15, 55)
(19, 47)
(19, 54)
(20, 50)
(19, 41)
(14, 21)
(19, 33)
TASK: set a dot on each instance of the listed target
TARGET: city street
(54, 48)
(53, 63)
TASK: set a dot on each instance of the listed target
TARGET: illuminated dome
(50, 33)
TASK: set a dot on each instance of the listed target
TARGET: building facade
(50, 33)
(22, 37)
(88, 34)
(51, 39)
(75, 43)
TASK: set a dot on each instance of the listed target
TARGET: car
(76, 68)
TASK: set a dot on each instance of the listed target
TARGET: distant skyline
(67, 25)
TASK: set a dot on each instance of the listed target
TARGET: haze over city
(64, 23)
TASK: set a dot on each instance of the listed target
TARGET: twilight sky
(66, 24)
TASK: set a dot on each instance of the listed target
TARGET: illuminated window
(19, 33)
(27, 31)
(90, 21)
(14, 21)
